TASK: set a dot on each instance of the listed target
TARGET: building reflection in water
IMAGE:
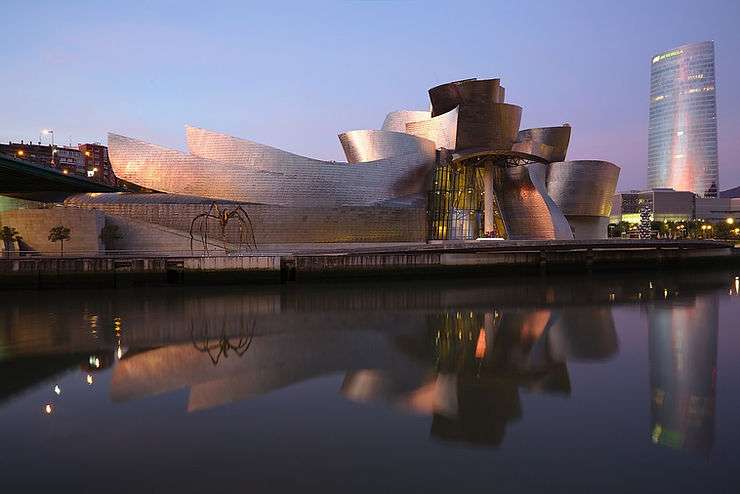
(465, 370)
(683, 372)
(482, 359)
(399, 345)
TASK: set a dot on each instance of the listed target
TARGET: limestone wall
(281, 225)
(143, 237)
(34, 225)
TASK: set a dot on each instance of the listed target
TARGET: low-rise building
(69, 160)
(97, 164)
(28, 151)
(87, 160)
(672, 205)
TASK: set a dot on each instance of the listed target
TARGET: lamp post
(53, 149)
(47, 132)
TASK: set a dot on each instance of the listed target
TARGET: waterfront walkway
(306, 262)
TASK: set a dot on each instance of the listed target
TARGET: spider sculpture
(221, 346)
(223, 216)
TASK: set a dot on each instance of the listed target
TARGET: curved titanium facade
(441, 129)
(548, 143)
(491, 127)
(515, 162)
(255, 173)
(417, 161)
(583, 190)
(396, 121)
(227, 149)
(682, 139)
(489, 178)
(484, 121)
(473, 92)
(361, 146)
(525, 207)
(583, 187)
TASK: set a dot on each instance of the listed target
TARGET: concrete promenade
(307, 262)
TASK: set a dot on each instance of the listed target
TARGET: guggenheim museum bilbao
(462, 170)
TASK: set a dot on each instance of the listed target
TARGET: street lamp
(730, 221)
(47, 132)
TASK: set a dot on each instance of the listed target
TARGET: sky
(295, 74)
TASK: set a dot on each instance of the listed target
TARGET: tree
(619, 229)
(110, 233)
(693, 228)
(59, 233)
(664, 229)
(9, 236)
(722, 229)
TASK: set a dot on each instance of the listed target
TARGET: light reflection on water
(474, 363)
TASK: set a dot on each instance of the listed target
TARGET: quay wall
(474, 259)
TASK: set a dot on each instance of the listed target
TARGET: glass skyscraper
(682, 140)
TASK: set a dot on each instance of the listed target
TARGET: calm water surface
(619, 383)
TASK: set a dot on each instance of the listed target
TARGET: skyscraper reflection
(683, 372)
(458, 355)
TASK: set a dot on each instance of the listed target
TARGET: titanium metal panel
(256, 173)
(396, 121)
(493, 127)
(548, 143)
(589, 227)
(361, 146)
(527, 210)
(583, 187)
(233, 150)
(538, 175)
(474, 92)
(441, 129)
(227, 149)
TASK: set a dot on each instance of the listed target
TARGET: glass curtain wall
(455, 206)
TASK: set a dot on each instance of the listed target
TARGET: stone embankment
(318, 262)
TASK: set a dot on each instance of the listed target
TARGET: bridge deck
(20, 178)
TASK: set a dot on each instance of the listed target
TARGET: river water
(601, 383)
